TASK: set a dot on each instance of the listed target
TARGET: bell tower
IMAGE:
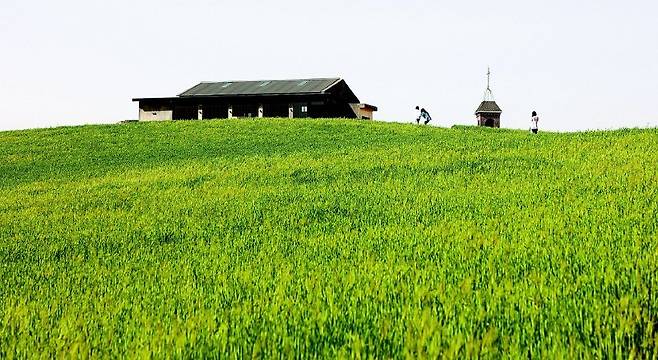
(488, 113)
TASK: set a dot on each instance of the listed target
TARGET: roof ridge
(336, 81)
(263, 80)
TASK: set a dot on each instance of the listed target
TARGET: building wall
(299, 106)
(155, 113)
(186, 112)
(483, 117)
(276, 110)
(363, 112)
(246, 110)
(214, 110)
(366, 114)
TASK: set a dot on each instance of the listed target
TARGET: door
(300, 110)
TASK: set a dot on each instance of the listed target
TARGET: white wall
(160, 114)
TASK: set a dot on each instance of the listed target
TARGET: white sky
(580, 64)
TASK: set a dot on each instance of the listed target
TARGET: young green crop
(331, 238)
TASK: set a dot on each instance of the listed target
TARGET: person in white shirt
(417, 114)
(534, 123)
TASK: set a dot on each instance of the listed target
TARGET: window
(304, 108)
(226, 85)
(265, 83)
(303, 83)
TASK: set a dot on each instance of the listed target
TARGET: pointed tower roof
(488, 105)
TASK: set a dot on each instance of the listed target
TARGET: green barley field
(327, 238)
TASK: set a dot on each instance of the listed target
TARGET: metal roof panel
(261, 87)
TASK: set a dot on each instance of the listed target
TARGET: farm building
(312, 98)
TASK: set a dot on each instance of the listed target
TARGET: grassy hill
(262, 238)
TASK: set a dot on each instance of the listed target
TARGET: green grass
(327, 238)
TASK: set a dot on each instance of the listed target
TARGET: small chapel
(488, 113)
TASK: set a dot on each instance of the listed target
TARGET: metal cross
(488, 76)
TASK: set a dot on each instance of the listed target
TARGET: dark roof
(262, 87)
(488, 106)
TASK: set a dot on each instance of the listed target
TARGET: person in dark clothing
(425, 116)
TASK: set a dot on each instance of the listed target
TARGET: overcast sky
(580, 64)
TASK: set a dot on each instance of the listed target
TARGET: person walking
(534, 123)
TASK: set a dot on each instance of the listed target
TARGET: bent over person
(425, 115)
